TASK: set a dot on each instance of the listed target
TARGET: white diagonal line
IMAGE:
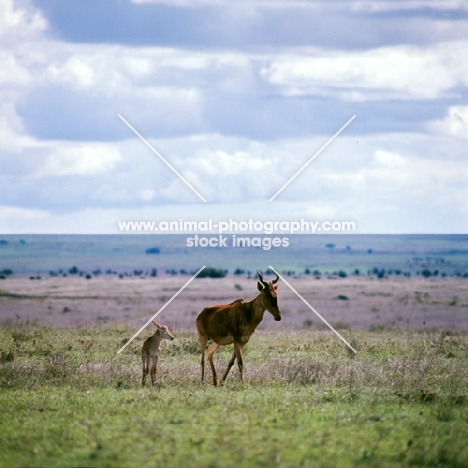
(161, 309)
(312, 158)
(313, 310)
(160, 157)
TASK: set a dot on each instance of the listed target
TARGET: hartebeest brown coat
(235, 323)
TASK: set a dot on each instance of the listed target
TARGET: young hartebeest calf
(151, 349)
(235, 323)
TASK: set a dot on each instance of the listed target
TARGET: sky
(237, 96)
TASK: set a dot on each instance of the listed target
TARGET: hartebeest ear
(260, 286)
(276, 286)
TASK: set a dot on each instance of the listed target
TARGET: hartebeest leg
(211, 350)
(202, 340)
(240, 362)
(231, 363)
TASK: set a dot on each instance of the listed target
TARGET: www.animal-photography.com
(233, 234)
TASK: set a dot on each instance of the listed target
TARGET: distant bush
(210, 272)
(2, 277)
(356, 272)
(369, 251)
(96, 272)
(342, 325)
(154, 273)
(342, 297)
(73, 270)
(53, 273)
(88, 276)
(342, 274)
(137, 272)
(306, 271)
(426, 273)
(3, 242)
(239, 271)
(330, 246)
(153, 251)
(7, 272)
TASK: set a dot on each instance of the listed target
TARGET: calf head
(163, 331)
(270, 295)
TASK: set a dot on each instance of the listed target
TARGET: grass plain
(67, 399)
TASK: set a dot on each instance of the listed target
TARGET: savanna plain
(68, 399)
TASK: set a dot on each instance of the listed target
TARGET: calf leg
(154, 367)
(145, 371)
(211, 350)
(231, 363)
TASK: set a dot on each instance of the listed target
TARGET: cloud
(389, 159)
(20, 20)
(396, 72)
(237, 122)
(85, 159)
(454, 124)
(369, 6)
(19, 213)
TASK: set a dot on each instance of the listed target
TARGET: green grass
(67, 399)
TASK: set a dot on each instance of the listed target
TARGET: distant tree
(342, 274)
(154, 272)
(153, 251)
(73, 270)
(239, 271)
(210, 272)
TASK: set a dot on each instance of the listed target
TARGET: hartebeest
(235, 323)
(151, 349)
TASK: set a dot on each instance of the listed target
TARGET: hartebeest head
(270, 295)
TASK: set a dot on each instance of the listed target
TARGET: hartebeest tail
(235, 323)
(151, 350)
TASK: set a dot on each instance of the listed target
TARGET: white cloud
(19, 20)
(19, 213)
(394, 72)
(83, 159)
(368, 6)
(389, 159)
(455, 124)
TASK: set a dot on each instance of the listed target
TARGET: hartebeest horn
(261, 279)
(262, 283)
(275, 280)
